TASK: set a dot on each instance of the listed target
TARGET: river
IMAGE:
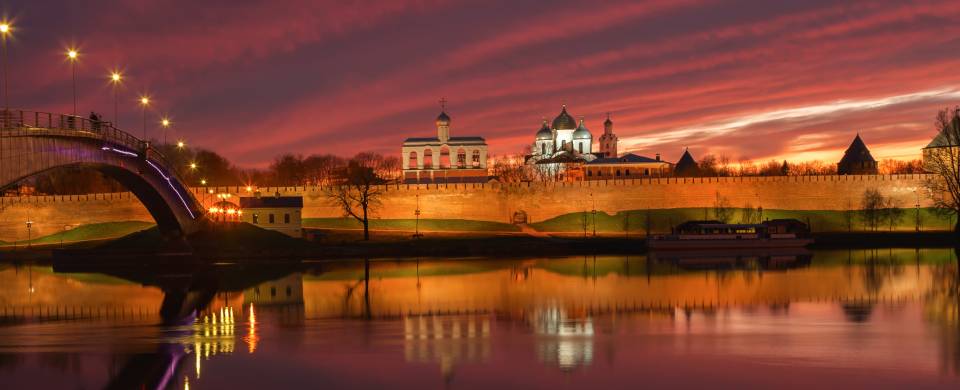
(826, 319)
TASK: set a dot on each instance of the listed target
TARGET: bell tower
(608, 141)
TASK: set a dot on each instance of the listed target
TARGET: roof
(564, 121)
(945, 135)
(443, 117)
(857, 152)
(582, 132)
(437, 140)
(686, 166)
(271, 202)
(544, 133)
(628, 158)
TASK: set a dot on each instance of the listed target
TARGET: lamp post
(29, 237)
(5, 29)
(115, 79)
(594, 212)
(72, 55)
(416, 213)
(166, 125)
(144, 102)
(917, 192)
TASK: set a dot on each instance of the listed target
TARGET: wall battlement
(498, 201)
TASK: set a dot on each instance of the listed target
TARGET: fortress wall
(498, 202)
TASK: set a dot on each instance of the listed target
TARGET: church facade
(444, 159)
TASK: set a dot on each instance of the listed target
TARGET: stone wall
(498, 202)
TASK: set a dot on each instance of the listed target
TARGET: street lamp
(5, 29)
(29, 237)
(180, 144)
(72, 55)
(115, 78)
(144, 102)
(166, 124)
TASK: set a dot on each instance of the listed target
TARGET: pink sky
(746, 79)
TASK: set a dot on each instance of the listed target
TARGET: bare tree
(848, 215)
(721, 208)
(944, 163)
(892, 213)
(872, 208)
(749, 214)
(357, 189)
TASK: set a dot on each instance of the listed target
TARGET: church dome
(544, 134)
(564, 121)
(443, 119)
(582, 132)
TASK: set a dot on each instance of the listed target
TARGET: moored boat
(692, 235)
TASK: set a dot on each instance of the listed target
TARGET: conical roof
(857, 160)
(857, 152)
(686, 166)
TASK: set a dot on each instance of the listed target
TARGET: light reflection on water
(883, 318)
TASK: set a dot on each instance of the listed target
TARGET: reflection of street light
(72, 55)
(115, 78)
(5, 29)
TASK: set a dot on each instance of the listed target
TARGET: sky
(251, 80)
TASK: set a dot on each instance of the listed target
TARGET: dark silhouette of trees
(944, 163)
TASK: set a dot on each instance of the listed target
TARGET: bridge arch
(32, 143)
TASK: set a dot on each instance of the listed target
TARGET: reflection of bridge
(34, 142)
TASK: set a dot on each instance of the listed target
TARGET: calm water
(837, 319)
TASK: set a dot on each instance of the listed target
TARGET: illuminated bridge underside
(32, 143)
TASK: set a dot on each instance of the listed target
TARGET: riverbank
(248, 244)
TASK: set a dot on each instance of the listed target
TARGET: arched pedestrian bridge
(35, 142)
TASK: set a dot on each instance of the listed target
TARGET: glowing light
(252, 337)
(72, 54)
(180, 144)
(193, 165)
(165, 122)
(5, 28)
(116, 77)
(145, 100)
(213, 210)
(249, 188)
(204, 182)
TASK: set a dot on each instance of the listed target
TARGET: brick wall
(498, 202)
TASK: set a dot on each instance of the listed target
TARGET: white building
(444, 159)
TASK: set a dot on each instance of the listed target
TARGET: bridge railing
(22, 122)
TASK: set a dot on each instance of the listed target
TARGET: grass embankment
(661, 220)
(91, 232)
(428, 225)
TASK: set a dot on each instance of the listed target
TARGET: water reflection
(165, 327)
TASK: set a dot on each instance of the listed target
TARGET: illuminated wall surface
(489, 202)
(564, 314)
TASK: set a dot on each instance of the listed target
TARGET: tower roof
(544, 133)
(857, 152)
(686, 166)
(443, 118)
(564, 121)
(949, 136)
(582, 132)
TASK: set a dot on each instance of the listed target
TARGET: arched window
(628, 172)
(428, 159)
(476, 159)
(461, 158)
(412, 163)
(444, 158)
(580, 146)
(589, 173)
(543, 148)
(618, 172)
(599, 172)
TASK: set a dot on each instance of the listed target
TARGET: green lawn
(446, 225)
(660, 220)
(96, 231)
